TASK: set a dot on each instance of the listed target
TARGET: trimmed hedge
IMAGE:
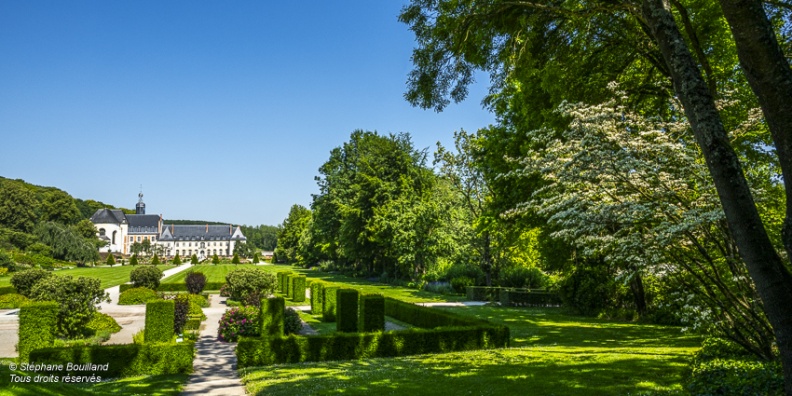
(346, 346)
(122, 360)
(271, 316)
(7, 290)
(160, 316)
(175, 287)
(282, 281)
(38, 323)
(482, 293)
(317, 294)
(137, 295)
(347, 313)
(372, 313)
(329, 303)
(425, 317)
(289, 284)
(519, 298)
(298, 288)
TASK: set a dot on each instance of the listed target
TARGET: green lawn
(213, 273)
(110, 276)
(552, 354)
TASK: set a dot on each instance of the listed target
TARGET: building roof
(109, 216)
(143, 224)
(194, 232)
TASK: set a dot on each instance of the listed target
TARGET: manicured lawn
(552, 353)
(213, 273)
(110, 276)
(161, 385)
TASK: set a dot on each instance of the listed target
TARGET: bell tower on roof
(140, 208)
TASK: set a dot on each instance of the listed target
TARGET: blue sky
(222, 111)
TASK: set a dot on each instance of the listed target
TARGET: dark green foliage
(282, 281)
(155, 260)
(23, 281)
(346, 346)
(722, 367)
(124, 360)
(110, 260)
(193, 323)
(182, 287)
(77, 300)
(193, 259)
(298, 288)
(329, 306)
(347, 312)
(181, 309)
(272, 316)
(372, 313)
(18, 206)
(177, 260)
(195, 282)
(460, 283)
(133, 260)
(289, 284)
(290, 232)
(482, 293)
(146, 276)
(7, 290)
(523, 277)
(136, 295)
(245, 280)
(526, 298)
(37, 327)
(292, 324)
(160, 316)
(12, 300)
(317, 294)
(256, 259)
(589, 289)
(235, 259)
(215, 259)
(425, 317)
(102, 322)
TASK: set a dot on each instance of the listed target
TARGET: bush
(123, 360)
(225, 291)
(146, 276)
(37, 326)
(138, 295)
(195, 281)
(425, 317)
(372, 313)
(77, 300)
(181, 310)
(256, 259)
(133, 260)
(160, 317)
(110, 260)
(317, 292)
(215, 259)
(459, 284)
(288, 281)
(292, 324)
(246, 280)
(177, 260)
(155, 260)
(282, 281)
(23, 281)
(589, 290)
(236, 322)
(347, 312)
(736, 377)
(235, 260)
(101, 322)
(193, 259)
(272, 316)
(298, 288)
(329, 306)
(523, 277)
(13, 300)
(528, 298)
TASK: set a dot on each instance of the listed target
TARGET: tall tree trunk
(639, 294)
(772, 279)
(770, 78)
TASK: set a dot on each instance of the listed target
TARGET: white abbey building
(121, 230)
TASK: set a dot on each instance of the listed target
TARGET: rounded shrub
(23, 281)
(523, 277)
(195, 281)
(246, 280)
(292, 324)
(101, 322)
(146, 276)
(239, 321)
(460, 283)
(138, 295)
(12, 301)
(77, 299)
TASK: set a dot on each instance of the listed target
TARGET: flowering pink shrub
(238, 321)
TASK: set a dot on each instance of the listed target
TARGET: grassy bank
(109, 276)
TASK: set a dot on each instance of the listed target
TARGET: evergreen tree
(110, 260)
(133, 260)
(193, 259)
(177, 260)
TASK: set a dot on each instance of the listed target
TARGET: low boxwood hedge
(522, 298)
(175, 287)
(298, 288)
(329, 303)
(317, 294)
(372, 313)
(122, 360)
(37, 326)
(271, 316)
(160, 316)
(347, 310)
(7, 290)
(137, 295)
(346, 346)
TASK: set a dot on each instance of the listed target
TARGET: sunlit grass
(213, 273)
(552, 354)
(109, 276)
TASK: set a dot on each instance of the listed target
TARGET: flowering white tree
(636, 193)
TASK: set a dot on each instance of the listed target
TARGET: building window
(114, 235)
(131, 239)
(102, 232)
(138, 239)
